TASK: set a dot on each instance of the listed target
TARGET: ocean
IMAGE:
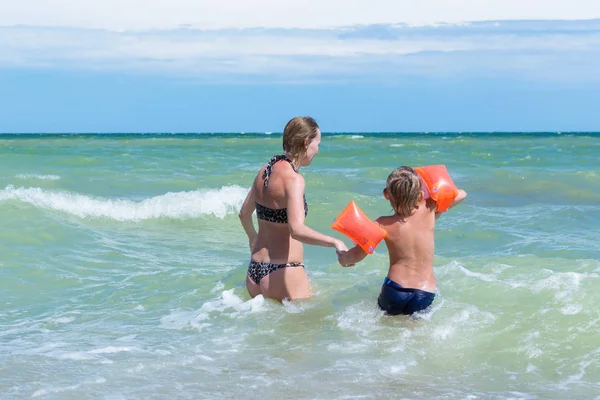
(122, 268)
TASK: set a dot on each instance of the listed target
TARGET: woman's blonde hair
(403, 188)
(295, 135)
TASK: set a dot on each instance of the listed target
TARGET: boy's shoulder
(386, 220)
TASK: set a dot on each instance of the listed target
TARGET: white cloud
(218, 14)
(305, 39)
(549, 50)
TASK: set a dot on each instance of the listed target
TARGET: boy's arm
(351, 257)
(355, 254)
(459, 198)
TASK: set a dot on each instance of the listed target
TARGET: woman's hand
(342, 252)
(340, 247)
(351, 257)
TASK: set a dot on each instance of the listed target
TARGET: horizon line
(326, 133)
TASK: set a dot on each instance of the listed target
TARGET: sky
(250, 65)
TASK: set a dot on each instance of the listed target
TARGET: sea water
(122, 268)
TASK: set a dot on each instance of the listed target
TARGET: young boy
(410, 284)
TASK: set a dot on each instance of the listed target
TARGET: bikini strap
(269, 168)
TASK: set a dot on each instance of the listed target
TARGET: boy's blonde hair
(403, 188)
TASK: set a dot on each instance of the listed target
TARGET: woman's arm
(245, 215)
(294, 193)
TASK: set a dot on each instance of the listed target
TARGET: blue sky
(68, 67)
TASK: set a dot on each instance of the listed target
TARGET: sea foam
(179, 205)
(38, 176)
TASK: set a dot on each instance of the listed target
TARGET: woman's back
(274, 243)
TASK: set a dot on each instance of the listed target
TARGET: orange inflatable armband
(353, 223)
(439, 184)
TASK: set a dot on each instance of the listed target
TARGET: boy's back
(411, 247)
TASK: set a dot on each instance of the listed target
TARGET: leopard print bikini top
(278, 215)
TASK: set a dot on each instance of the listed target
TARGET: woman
(276, 267)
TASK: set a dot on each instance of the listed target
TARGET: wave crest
(178, 205)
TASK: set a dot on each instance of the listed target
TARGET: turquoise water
(122, 267)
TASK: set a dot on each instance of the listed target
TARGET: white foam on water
(578, 373)
(404, 338)
(219, 286)
(428, 313)
(465, 323)
(455, 266)
(138, 368)
(400, 369)
(76, 356)
(229, 300)
(225, 304)
(558, 281)
(126, 338)
(563, 285)
(111, 349)
(577, 377)
(181, 319)
(37, 176)
(205, 358)
(178, 205)
(530, 345)
(586, 173)
(588, 263)
(531, 368)
(357, 137)
(63, 320)
(571, 309)
(361, 318)
(396, 145)
(351, 347)
(42, 350)
(95, 354)
(500, 268)
(43, 392)
(297, 307)
(477, 275)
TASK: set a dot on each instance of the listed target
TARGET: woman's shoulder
(293, 178)
(260, 172)
(286, 172)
